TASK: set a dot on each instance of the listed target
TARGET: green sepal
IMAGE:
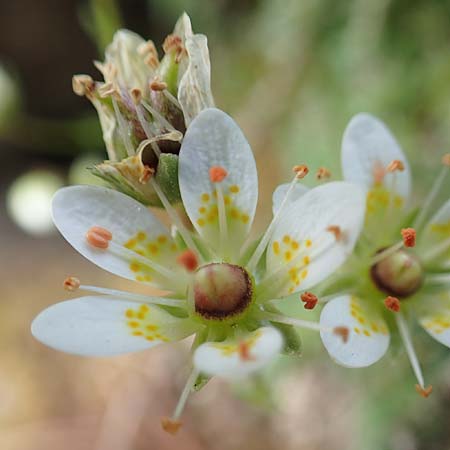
(167, 176)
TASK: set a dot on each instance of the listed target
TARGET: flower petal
(437, 232)
(134, 229)
(369, 337)
(280, 192)
(236, 359)
(367, 148)
(304, 250)
(435, 318)
(104, 326)
(194, 91)
(214, 140)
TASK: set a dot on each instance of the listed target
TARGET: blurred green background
(292, 73)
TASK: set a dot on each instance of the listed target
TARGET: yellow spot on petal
(366, 332)
(202, 210)
(205, 198)
(135, 267)
(295, 245)
(234, 189)
(133, 324)
(245, 218)
(130, 244)
(162, 239)
(288, 256)
(276, 247)
(141, 236)
(129, 313)
(306, 260)
(137, 333)
(286, 239)
(201, 222)
(304, 274)
(308, 242)
(357, 330)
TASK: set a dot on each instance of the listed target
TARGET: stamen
(136, 95)
(156, 115)
(147, 173)
(157, 85)
(217, 174)
(395, 165)
(173, 424)
(99, 237)
(123, 128)
(244, 351)
(147, 48)
(107, 89)
(409, 237)
(174, 217)
(341, 331)
(392, 303)
(188, 259)
(336, 230)
(407, 341)
(71, 284)
(253, 261)
(309, 300)
(386, 252)
(134, 297)
(172, 42)
(379, 173)
(433, 193)
(83, 85)
(424, 392)
(322, 173)
(301, 171)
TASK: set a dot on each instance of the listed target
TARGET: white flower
(386, 275)
(222, 287)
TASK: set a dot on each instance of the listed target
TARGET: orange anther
(71, 284)
(309, 299)
(217, 174)
(188, 259)
(300, 171)
(136, 95)
(446, 159)
(147, 173)
(395, 165)
(98, 237)
(170, 426)
(424, 392)
(157, 85)
(409, 237)
(342, 332)
(323, 172)
(336, 230)
(392, 303)
(244, 351)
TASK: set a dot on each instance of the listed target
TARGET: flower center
(221, 290)
(399, 274)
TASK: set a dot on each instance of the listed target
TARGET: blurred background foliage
(292, 73)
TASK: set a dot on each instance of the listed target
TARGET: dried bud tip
(322, 173)
(409, 237)
(147, 173)
(424, 392)
(309, 300)
(98, 237)
(136, 95)
(157, 85)
(82, 84)
(300, 171)
(188, 259)
(71, 284)
(342, 332)
(395, 165)
(217, 174)
(392, 303)
(170, 426)
(244, 351)
(336, 230)
(446, 160)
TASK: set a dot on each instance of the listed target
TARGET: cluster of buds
(145, 105)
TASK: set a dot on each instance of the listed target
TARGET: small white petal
(280, 193)
(435, 317)
(229, 360)
(76, 209)
(369, 337)
(104, 326)
(214, 140)
(367, 148)
(302, 244)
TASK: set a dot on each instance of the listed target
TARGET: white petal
(301, 245)
(104, 326)
(227, 360)
(436, 233)
(214, 139)
(76, 209)
(194, 91)
(435, 317)
(369, 337)
(368, 147)
(280, 192)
